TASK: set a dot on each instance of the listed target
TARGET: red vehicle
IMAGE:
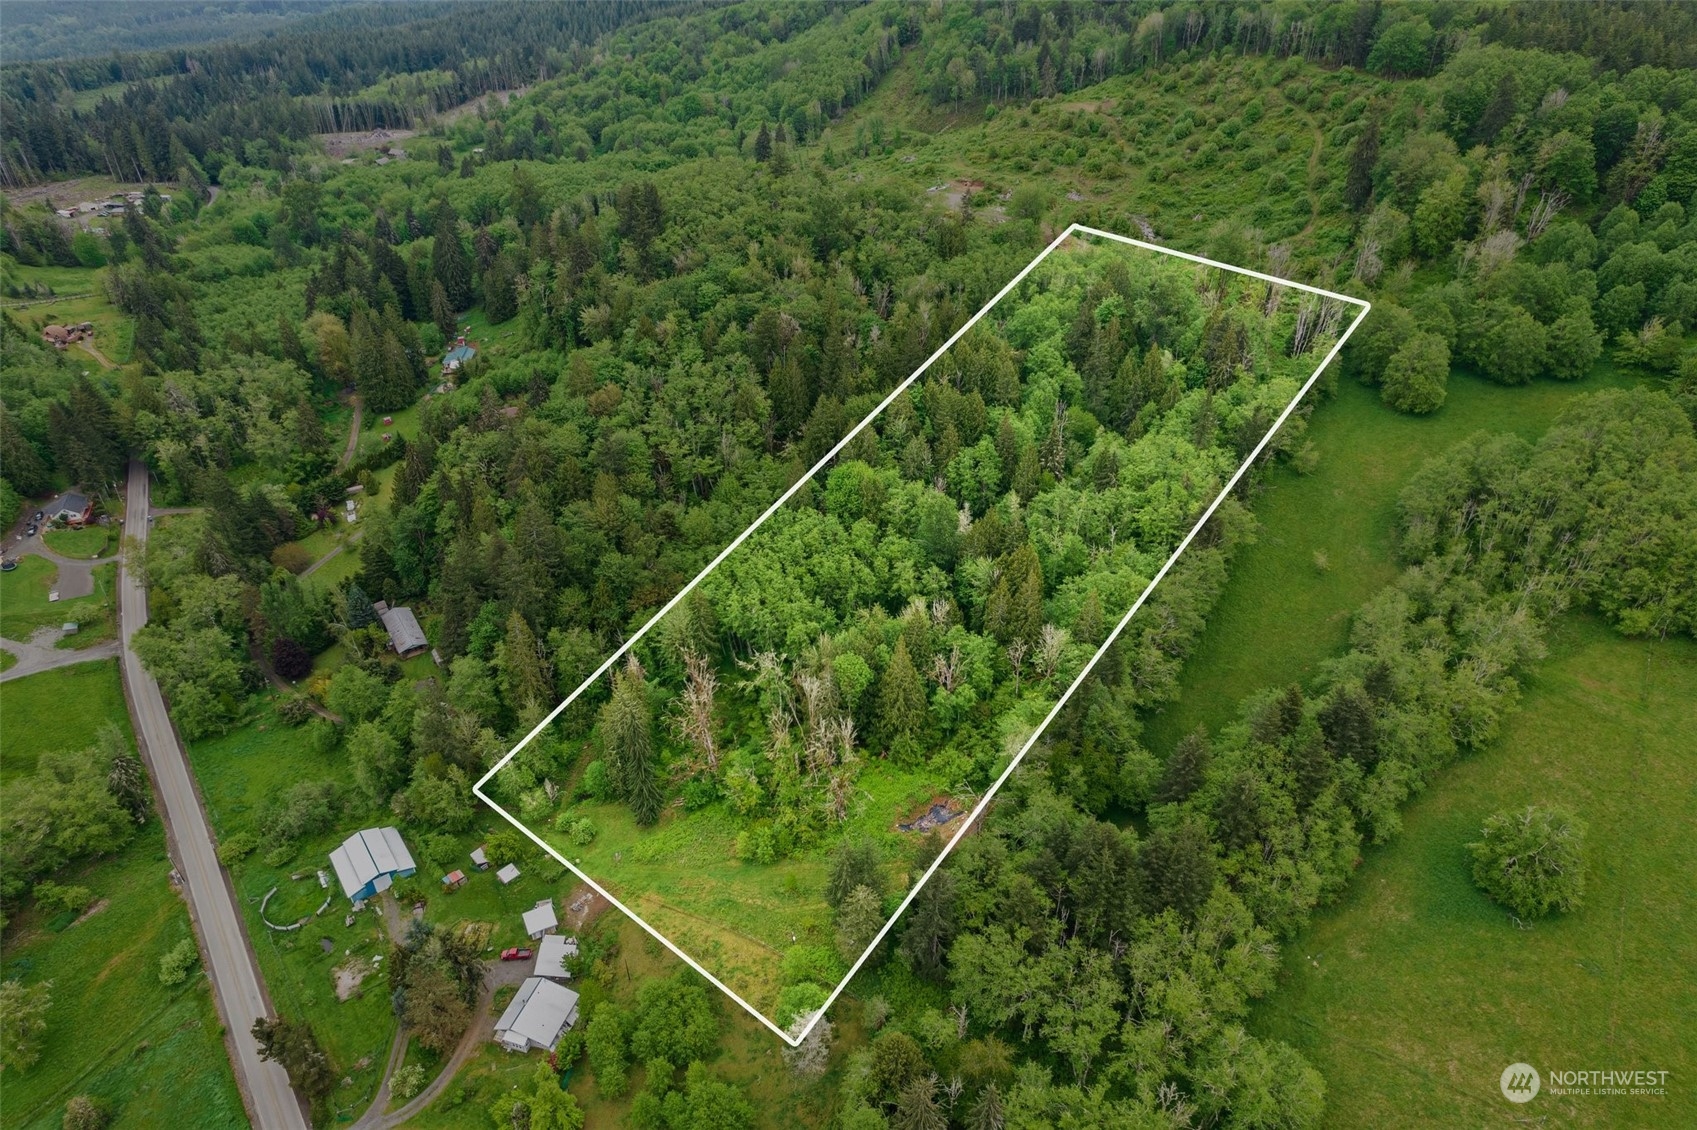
(517, 954)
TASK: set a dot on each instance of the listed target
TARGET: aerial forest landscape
(394, 401)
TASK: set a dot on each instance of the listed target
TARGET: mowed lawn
(1281, 615)
(1415, 992)
(25, 607)
(154, 1054)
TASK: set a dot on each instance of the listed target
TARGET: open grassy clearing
(154, 1053)
(85, 301)
(1415, 991)
(34, 720)
(1281, 615)
(238, 773)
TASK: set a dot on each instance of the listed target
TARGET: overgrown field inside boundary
(773, 769)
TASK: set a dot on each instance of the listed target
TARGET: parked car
(517, 954)
(38, 516)
(29, 531)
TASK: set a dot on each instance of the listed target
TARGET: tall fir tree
(449, 259)
(901, 697)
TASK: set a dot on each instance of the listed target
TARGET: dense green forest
(38, 29)
(700, 247)
(900, 623)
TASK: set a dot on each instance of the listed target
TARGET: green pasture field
(114, 333)
(24, 607)
(736, 917)
(1281, 615)
(237, 773)
(1415, 991)
(154, 1054)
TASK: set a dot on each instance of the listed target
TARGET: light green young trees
(1416, 374)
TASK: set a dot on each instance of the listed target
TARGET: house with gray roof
(536, 1017)
(405, 636)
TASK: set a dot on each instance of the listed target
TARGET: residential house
(71, 508)
(539, 1013)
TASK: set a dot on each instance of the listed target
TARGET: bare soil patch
(349, 974)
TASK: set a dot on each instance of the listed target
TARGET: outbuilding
(551, 956)
(370, 861)
(405, 636)
(539, 1013)
(541, 919)
(508, 873)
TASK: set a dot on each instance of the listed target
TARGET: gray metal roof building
(405, 636)
(539, 1012)
(370, 861)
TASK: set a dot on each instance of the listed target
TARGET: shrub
(55, 899)
(798, 1000)
(409, 1080)
(85, 1112)
(1531, 860)
(291, 660)
(236, 848)
(295, 710)
(175, 965)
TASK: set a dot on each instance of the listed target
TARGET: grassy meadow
(153, 1053)
(1282, 614)
(34, 721)
(1415, 991)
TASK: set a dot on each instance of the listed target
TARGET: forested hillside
(697, 248)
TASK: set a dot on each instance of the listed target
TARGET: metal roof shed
(551, 956)
(370, 861)
(540, 919)
(405, 636)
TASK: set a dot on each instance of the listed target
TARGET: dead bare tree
(1549, 206)
(695, 723)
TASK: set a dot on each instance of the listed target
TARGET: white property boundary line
(984, 801)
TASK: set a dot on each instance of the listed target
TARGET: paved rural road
(236, 985)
